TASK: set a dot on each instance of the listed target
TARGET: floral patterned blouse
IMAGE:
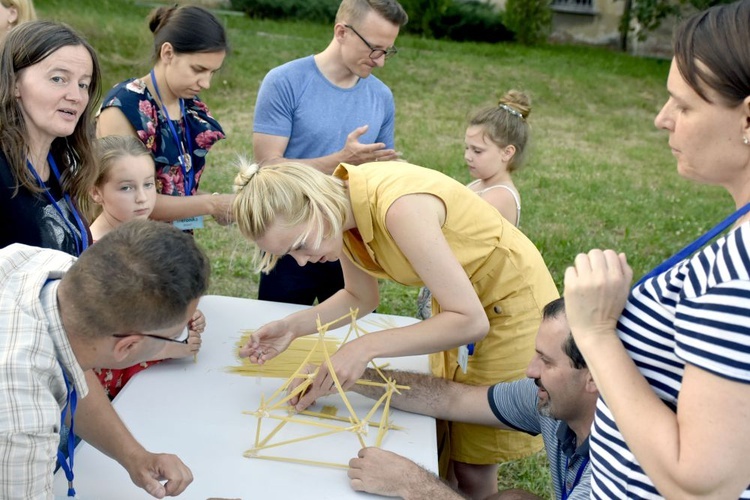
(150, 123)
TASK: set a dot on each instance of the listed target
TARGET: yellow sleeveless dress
(505, 268)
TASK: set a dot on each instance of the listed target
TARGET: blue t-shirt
(296, 101)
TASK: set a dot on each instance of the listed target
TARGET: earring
(745, 141)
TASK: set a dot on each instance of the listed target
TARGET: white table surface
(195, 410)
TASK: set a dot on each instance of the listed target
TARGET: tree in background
(647, 15)
(530, 20)
(424, 13)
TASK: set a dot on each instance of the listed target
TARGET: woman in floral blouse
(163, 110)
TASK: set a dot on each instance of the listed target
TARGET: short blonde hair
(24, 8)
(288, 194)
(354, 11)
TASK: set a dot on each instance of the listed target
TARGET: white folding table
(195, 410)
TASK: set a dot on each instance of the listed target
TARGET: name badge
(463, 357)
(189, 223)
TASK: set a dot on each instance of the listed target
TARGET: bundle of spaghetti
(288, 362)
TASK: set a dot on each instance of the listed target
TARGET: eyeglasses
(375, 53)
(180, 340)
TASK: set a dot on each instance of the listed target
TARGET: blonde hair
(24, 9)
(288, 194)
(506, 124)
(107, 150)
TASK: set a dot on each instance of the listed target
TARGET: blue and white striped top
(697, 312)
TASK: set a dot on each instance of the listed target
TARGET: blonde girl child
(125, 187)
(494, 148)
(125, 190)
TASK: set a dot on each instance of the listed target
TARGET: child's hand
(194, 343)
(196, 326)
(197, 323)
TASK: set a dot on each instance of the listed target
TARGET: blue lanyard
(564, 491)
(67, 464)
(188, 174)
(696, 245)
(82, 240)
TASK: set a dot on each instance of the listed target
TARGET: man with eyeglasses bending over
(115, 306)
(327, 109)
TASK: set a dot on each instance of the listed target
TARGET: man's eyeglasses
(179, 340)
(375, 53)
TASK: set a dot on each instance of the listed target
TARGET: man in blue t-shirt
(557, 400)
(327, 109)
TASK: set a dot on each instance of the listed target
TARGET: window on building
(573, 6)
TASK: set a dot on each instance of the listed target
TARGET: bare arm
(435, 397)
(112, 121)
(271, 148)
(415, 223)
(504, 202)
(171, 208)
(700, 451)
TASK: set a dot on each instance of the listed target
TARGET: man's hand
(388, 474)
(150, 470)
(381, 472)
(356, 153)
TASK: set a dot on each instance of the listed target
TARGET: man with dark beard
(557, 400)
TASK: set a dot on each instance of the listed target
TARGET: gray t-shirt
(515, 405)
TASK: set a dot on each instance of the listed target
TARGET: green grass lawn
(599, 173)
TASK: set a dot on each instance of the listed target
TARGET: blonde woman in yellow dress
(416, 226)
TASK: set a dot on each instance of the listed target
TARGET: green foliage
(647, 15)
(322, 11)
(530, 20)
(473, 20)
(423, 14)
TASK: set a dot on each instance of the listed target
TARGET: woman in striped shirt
(671, 356)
